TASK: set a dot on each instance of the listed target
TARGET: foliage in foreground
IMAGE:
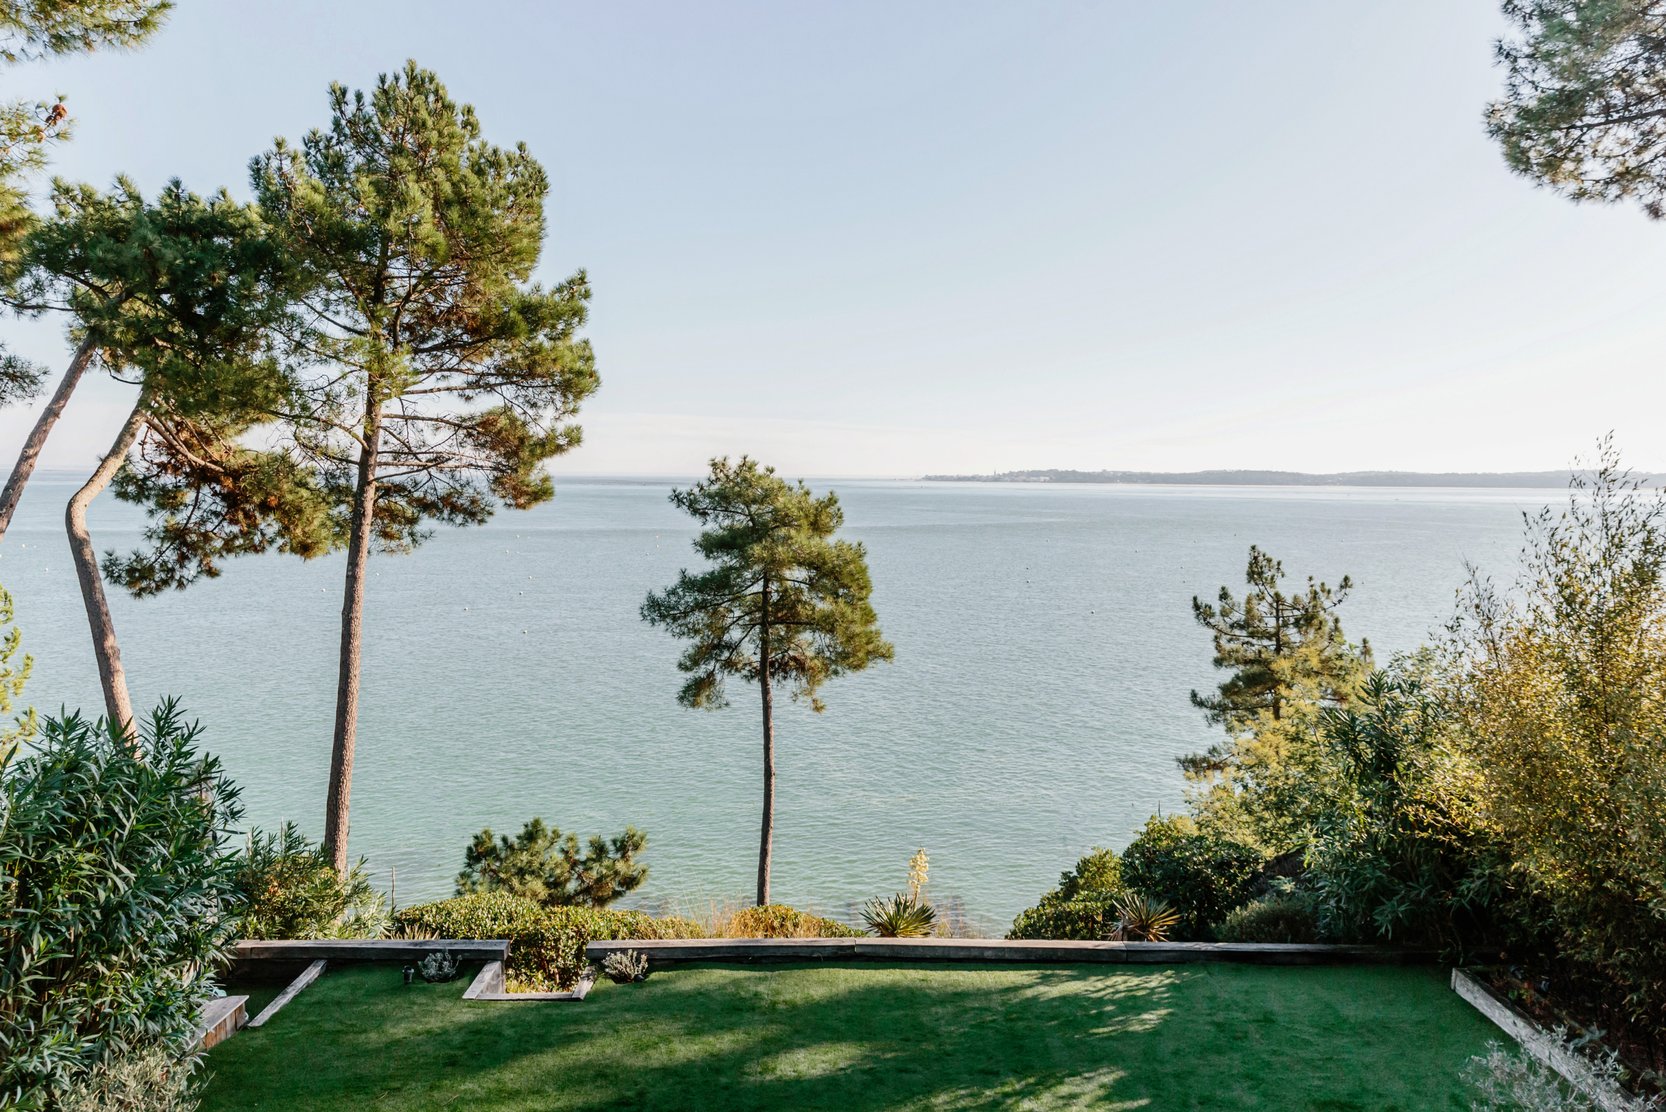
(117, 901)
(546, 866)
(546, 951)
(153, 1080)
(290, 889)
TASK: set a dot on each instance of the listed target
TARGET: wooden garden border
(682, 951)
(1534, 1039)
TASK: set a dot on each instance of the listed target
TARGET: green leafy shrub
(290, 889)
(1088, 918)
(1395, 856)
(117, 902)
(781, 921)
(1275, 918)
(904, 915)
(546, 866)
(1201, 875)
(546, 944)
(1082, 907)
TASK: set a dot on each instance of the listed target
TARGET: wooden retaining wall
(680, 951)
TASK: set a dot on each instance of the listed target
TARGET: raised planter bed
(668, 952)
(489, 984)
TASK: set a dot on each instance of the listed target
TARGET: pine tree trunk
(118, 706)
(767, 835)
(352, 642)
(36, 440)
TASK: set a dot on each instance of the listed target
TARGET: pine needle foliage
(1584, 105)
(548, 867)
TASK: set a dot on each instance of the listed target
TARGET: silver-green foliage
(1513, 1081)
(154, 1080)
(116, 898)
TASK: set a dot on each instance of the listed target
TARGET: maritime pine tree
(442, 377)
(783, 603)
(178, 296)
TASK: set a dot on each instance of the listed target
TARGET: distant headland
(1523, 479)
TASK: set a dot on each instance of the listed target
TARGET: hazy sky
(894, 238)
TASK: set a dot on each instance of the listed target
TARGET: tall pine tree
(441, 376)
(782, 604)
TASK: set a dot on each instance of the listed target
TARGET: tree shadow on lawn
(872, 1036)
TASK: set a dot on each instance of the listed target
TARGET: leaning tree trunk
(767, 835)
(36, 440)
(352, 643)
(118, 706)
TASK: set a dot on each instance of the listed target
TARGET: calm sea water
(1045, 648)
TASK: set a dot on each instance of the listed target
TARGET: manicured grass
(872, 1037)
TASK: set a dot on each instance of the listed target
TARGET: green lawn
(872, 1037)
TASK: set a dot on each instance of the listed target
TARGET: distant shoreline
(1501, 479)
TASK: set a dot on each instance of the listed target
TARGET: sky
(890, 239)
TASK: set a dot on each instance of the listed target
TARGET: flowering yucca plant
(902, 916)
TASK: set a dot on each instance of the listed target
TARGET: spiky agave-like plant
(904, 915)
(1146, 918)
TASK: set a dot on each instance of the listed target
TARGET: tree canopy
(1584, 106)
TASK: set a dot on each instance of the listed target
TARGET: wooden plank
(309, 975)
(1538, 1042)
(377, 949)
(221, 1017)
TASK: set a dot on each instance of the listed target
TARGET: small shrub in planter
(1276, 918)
(546, 944)
(438, 968)
(625, 967)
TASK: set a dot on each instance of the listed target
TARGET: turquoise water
(1045, 649)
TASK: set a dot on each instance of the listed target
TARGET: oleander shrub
(1088, 918)
(290, 889)
(1201, 875)
(781, 921)
(1273, 918)
(117, 902)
